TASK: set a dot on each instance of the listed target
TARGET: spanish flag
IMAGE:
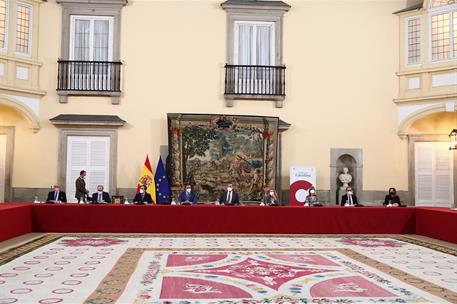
(147, 179)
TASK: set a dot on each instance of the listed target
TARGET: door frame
(412, 139)
(9, 132)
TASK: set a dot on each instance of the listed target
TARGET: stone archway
(25, 110)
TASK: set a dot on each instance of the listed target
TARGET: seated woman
(311, 199)
(392, 199)
(271, 199)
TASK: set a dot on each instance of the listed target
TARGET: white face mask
(272, 193)
(312, 192)
(229, 189)
(56, 189)
(188, 190)
(100, 191)
(350, 192)
(141, 190)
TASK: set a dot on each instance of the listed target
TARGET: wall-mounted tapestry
(210, 151)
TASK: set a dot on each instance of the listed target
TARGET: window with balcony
(443, 32)
(90, 63)
(413, 31)
(254, 68)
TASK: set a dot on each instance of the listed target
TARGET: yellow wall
(341, 59)
(439, 123)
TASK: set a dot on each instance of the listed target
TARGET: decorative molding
(64, 120)
(23, 109)
(357, 170)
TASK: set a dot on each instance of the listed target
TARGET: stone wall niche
(351, 159)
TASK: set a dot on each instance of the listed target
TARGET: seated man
(229, 197)
(188, 197)
(349, 199)
(142, 197)
(100, 197)
(56, 196)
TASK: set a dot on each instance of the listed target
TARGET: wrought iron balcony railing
(89, 76)
(255, 80)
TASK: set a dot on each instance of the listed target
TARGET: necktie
(99, 197)
(229, 198)
(56, 196)
(350, 199)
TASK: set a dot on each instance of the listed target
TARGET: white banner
(301, 180)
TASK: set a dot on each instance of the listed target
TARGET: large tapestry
(210, 151)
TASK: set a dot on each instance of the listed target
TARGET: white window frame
(7, 23)
(91, 37)
(407, 41)
(29, 53)
(445, 9)
(236, 39)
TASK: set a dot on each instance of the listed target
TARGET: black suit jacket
(393, 200)
(61, 197)
(147, 199)
(235, 198)
(345, 200)
(105, 196)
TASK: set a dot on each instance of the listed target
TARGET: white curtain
(245, 44)
(81, 43)
(263, 44)
(101, 40)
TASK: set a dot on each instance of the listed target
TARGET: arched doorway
(13, 115)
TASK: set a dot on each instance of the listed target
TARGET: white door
(89, 153)
(2, 167)
(434, 174)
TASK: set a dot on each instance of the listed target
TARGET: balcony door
(91, 48)
(254, 51)
(434, 174)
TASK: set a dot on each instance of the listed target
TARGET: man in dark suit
(188, 197)
(349, 199)
(80, 185)
(100, 197)
(142, 197)
(56, 196)
(229, 197)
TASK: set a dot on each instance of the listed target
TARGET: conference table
(20, 218)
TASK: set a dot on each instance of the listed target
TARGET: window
(89, 153)
(414, 40)
(91, 38)
(443, 32)
(438, 3)
(23, 29)
(3, 24)
(254, 43)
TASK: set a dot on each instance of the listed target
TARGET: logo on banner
(301, 180)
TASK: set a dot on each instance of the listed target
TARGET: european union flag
(162, 185)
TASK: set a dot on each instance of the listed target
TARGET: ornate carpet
(228, 269)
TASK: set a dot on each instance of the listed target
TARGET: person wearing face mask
(56, 195)
(349, 199)
(392, 199)
(229, 197)
(101, 197)
(188, 197)
(271, 199)
(142, 197)
(311, 199)
(80, 183)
